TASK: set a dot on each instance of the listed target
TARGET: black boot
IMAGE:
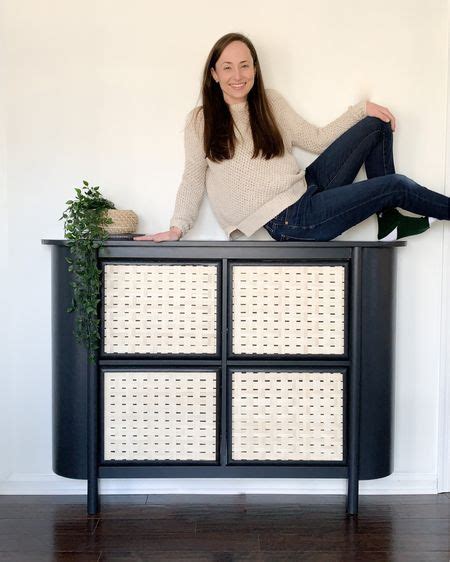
(391, 219)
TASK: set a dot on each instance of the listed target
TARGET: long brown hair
(219, 137)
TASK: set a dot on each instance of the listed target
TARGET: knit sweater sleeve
(193, 183)
(306, 135)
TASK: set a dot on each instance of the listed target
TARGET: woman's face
(235, 72)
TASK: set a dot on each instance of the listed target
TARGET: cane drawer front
(287, 416)
(160, 416)
(160, 309)
(288, 309)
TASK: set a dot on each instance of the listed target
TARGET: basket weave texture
(158, 416)
(156, 308)
(124, 222)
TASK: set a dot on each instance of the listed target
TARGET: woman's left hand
(375, 110)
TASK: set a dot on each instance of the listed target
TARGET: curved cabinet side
(70, 368)
(377, 345)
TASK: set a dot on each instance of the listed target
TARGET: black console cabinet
(228, 359)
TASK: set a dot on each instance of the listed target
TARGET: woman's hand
(375, 110)
(173, 234)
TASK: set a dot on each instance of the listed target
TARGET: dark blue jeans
(332, 203)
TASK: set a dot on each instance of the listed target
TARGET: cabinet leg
(92, 497)
(92, 441)
(352, 495)
(354, 388)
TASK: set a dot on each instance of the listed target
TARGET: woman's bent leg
(368, 142)
(323, 215)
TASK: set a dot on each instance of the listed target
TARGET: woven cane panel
(287, 416)
(157, 416)
(288, 309)
(160, 309)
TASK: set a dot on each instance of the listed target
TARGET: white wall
(99, 90)
(444, 389)
(6, 381)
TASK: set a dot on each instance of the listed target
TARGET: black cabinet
(229, 359)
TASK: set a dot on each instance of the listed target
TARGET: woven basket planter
(124, 222)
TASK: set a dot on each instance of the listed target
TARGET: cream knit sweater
(247, 192)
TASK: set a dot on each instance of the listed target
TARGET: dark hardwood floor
(225, 528)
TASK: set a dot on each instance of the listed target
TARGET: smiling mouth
(238, 86)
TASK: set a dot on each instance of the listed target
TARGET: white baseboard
(50, 484)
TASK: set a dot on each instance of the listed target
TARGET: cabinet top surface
(241, 244)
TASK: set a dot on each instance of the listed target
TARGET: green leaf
(84, 220)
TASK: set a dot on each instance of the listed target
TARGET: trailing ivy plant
(85, 219)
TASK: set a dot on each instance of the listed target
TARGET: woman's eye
(228, 68)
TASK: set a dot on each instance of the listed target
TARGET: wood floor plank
(49, 557)
(173, 556)
(349, 556)
(159, 541)
(401, 542)
(144, 527)
(273, 556)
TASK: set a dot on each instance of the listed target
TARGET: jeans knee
(403, 181)
(376, 124)
(384, 126)
(400, 187)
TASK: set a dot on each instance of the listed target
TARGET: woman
(238, 148)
